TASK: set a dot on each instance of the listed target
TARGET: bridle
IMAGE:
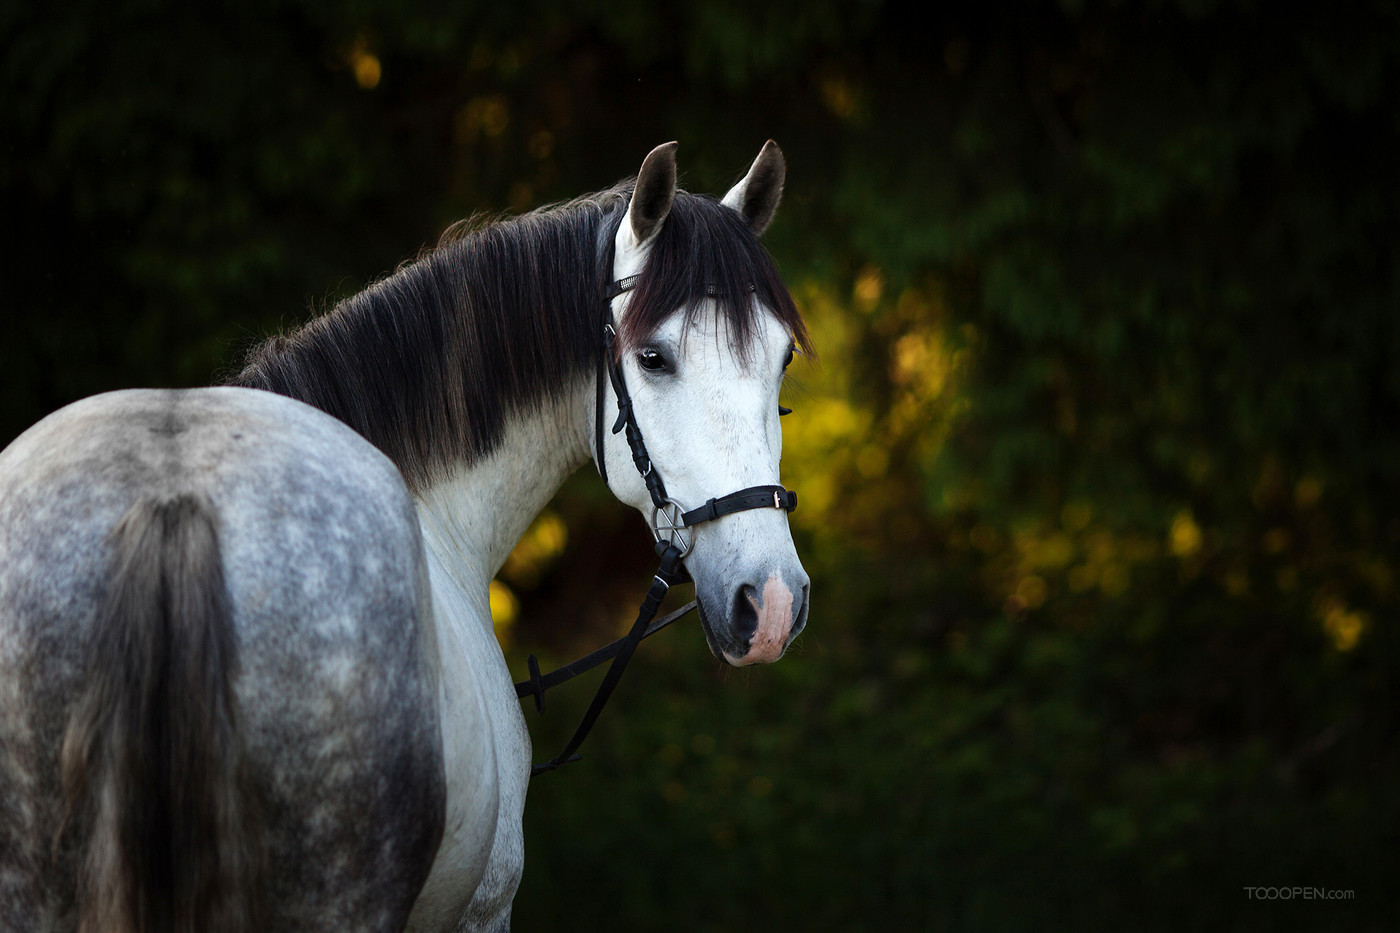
(669, 519)
(671, 523)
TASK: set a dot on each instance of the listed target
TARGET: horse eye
(652, 361)
(788, 360)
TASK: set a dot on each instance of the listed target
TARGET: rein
(669, 523)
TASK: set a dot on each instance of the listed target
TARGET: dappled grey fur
(327, 656)
(428, 362)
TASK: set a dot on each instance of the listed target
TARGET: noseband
(670, 523)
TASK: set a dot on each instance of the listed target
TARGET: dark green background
(1102, 442)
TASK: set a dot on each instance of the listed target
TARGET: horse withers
(248, 675)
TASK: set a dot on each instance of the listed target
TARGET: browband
(628, 283)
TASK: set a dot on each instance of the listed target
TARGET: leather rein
(670, 522)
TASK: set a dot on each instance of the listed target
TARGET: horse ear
(656, 189)
(756, 197)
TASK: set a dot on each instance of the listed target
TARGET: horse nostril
(744, 618)
(801, 622)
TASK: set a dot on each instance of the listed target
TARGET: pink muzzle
(770, 637)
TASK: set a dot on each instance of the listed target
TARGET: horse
(248, 674)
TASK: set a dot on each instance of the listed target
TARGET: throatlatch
(670, 523)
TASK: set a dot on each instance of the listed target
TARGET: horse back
(215, 615)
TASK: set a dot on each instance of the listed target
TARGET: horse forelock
(704, 251)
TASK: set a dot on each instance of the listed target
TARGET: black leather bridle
(669, 519)
(669, 523)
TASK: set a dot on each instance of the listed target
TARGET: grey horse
(248, 675)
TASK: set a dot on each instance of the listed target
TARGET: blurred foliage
(1098, 466)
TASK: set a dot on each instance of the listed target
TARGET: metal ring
(668, 524)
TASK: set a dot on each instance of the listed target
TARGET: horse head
(706, 331)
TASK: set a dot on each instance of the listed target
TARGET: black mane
(428, 362)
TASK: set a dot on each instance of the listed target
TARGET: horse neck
(475, 513)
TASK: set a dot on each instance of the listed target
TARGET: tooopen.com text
(1298, 893)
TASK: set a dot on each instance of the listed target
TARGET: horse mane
(428, 363)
